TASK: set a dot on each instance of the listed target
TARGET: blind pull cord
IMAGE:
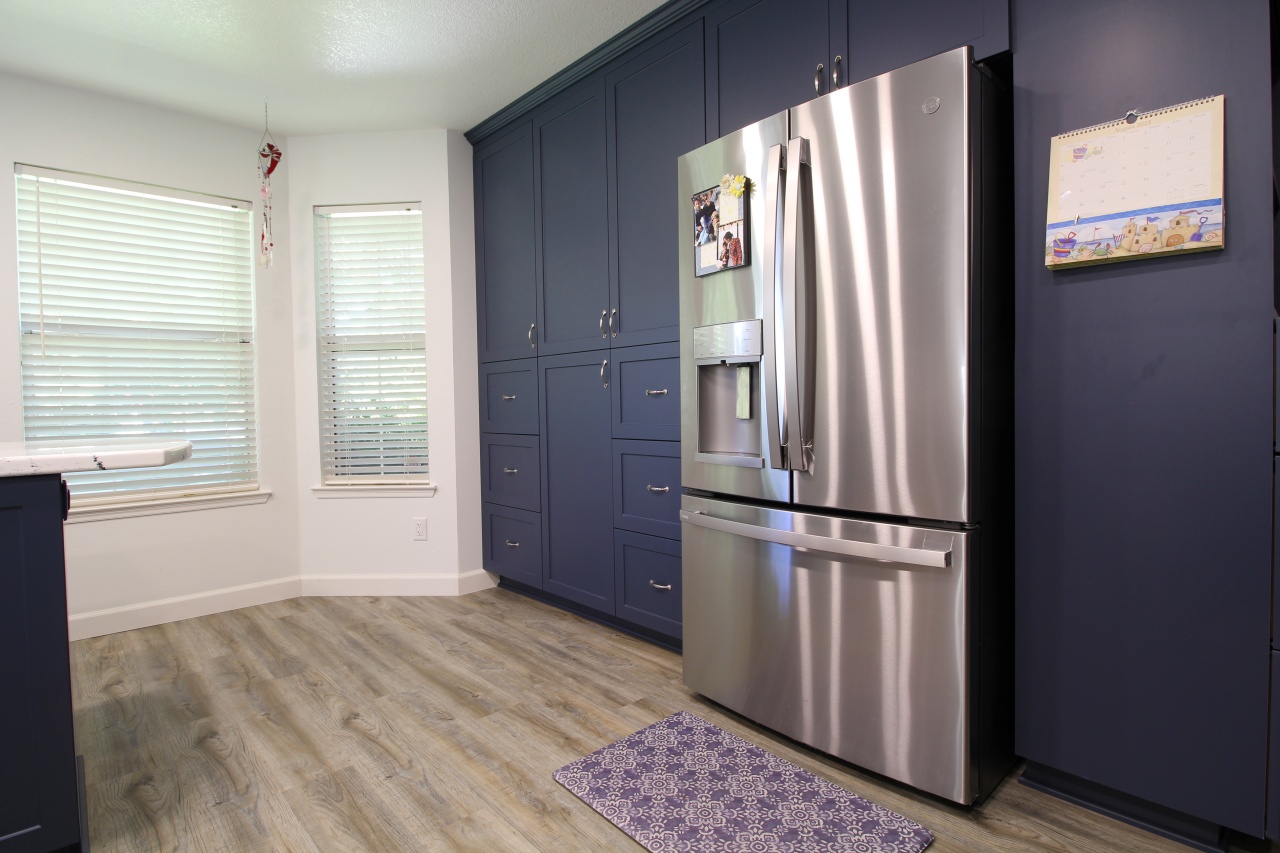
(40, 266)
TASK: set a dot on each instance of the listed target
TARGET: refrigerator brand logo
(931, 106)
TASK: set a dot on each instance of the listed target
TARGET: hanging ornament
(269, 155)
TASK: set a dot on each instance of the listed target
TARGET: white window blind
(136, 308)
(371, 330)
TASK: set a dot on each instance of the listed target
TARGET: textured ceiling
(325, 66)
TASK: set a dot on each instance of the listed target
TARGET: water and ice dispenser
(727, 356)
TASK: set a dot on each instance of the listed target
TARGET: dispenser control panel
(728, 342)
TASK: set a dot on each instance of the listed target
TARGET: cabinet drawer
(513, 544)
(646, 487)
(646, 397)
(509, 471)
(509, 396)
(645, 567)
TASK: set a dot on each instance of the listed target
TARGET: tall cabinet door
(573, 221)
(577, 482)
(885, 36)
(656, 110)
(505, 280)
(764, 59)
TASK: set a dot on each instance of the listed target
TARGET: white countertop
(20, 460)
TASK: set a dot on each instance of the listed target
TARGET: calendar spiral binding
(1108, 125)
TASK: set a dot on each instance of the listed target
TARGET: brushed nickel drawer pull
(510, 470)
(603, 314)
(511, 544)
(532, 345)
(663, 587)
(506, 398)
(662, 489)
(652, 393)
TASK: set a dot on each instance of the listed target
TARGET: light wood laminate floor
(423, 724)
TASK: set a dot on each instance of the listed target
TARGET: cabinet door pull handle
(835, 73)
(603, 314)
(665, 587)
(510, 470)
(532, 345)
(507, 398)
(817, 79)
(652, 393)
(613, 315)
(604, 366)
(511, 544)
(660, 489)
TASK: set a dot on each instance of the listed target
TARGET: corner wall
(362, 545)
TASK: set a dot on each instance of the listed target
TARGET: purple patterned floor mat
(685, 785)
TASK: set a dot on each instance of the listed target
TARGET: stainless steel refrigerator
(846, 435)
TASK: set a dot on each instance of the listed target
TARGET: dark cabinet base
(39, 808)
(1185, 829)
(655, 637)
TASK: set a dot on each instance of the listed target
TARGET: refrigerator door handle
(939, 558)
(794, 305)
(775, 415)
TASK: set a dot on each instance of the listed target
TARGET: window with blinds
(371, 332)
(136, 309)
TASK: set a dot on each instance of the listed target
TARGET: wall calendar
(1146, 185)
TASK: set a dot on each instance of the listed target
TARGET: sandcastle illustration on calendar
(1146, 185)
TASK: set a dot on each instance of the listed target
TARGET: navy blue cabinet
(656, 112)
(885, 36)
(577, 493)
(506, 292)
(513, 543)
(509, 471)
(646, 487)
(647, 575)
(509, 396)
(766, 56)
(646, 392)
(39, 804)
(573, 221)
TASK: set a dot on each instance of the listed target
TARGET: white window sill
(389, 490)
(160, 506)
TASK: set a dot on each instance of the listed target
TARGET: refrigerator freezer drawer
(850, 636)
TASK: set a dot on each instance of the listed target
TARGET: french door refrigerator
(846, 425)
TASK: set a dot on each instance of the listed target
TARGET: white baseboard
(377, 585)
(148, 613)
(84, 625)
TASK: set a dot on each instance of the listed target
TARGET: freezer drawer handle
(849, 547)
(649, 392)
(664, 587)
(511, 544)
(662, 489)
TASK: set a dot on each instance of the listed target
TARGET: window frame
(329, 346)
(116, 269)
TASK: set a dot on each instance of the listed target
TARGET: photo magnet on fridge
(721, 226)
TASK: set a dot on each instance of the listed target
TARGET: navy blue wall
(1143, 429)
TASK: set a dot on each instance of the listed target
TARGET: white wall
(126, 573)
(361, 545)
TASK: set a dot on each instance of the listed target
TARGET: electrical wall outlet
(420, 529)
